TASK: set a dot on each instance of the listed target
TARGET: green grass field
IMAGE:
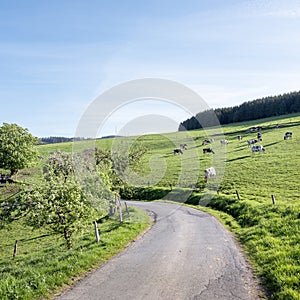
(43, 266)
(270, 234)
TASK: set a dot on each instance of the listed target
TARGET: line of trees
(251, 110)
(59, 139)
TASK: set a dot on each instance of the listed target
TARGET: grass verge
(269, 235)
(43, 266)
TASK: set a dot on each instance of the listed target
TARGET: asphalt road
(187, 254)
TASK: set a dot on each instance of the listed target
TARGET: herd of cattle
(211, 172)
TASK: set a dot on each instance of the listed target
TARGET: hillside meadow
(42, 266)
(269, 233)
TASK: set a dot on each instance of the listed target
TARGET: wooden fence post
(237, 194)
(126, 207)
(121, 213)
(120, 209)
(111, 209)
(96, 232)
(273, 199)
(15, 249)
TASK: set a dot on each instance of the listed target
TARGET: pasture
(270, 234)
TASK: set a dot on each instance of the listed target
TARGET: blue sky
(56, 57)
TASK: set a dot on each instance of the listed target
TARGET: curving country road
(187, 254)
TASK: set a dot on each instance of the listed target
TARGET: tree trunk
(13, 172)
(67, 236)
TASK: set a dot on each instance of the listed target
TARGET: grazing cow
(259, 136)
(210, 173)
(251, 142)
(207, 141)
(255, 129)
(183, 146)
(239, 137)
(208, 150)
(288, 135)
(257, 148)
(177, 151)
(224, 142)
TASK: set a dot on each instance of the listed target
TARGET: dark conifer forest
(251, 110)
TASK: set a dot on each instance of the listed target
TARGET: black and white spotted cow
(239, 137)
(257, 148)
(207, 141)
(288, 135)
(183, 146)
(251, 142)
(210, 173)
(208, 150)
(177, 151)
(259, 136)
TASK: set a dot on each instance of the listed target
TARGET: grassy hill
(269, 233)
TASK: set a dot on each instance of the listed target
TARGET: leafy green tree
(61, 201)
(119, 163)
(58, 205)
(60, 163)
(16, 147)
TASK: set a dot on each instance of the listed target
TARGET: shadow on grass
(238, 158)
(31, 239)
(271, 144)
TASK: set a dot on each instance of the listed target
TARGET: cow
(251, 142)
(288, 135)
(259, 136)
(255, 129)
(207, 141)
(210, 173)
(224, 142)
(257, 148)
(183, 146)
(177, 151)
(208, 150)
(239, 137)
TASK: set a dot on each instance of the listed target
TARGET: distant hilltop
(110, 136)
(251, 110)
(61, 139)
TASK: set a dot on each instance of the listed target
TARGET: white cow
(224, 142)
(210, 173)
(257, 148)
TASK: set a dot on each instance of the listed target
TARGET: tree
(16, 147)
(61, 201)
(60, 163)
(119, 164)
